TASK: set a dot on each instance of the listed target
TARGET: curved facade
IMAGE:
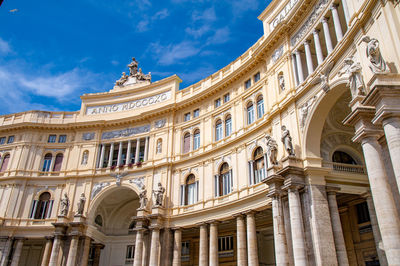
(290, 155)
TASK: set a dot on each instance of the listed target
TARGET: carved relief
(125, 132)
(97, 188)
(277, 54)
(139, 182)
(377, 63)
(304, 109)
(355, 79)
(88, 136)
(160, 123)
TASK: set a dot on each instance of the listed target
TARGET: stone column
(176, 259)
(128, 152)
(252, 239)
(97, 250)
(252, 180)
(47, 251)
(346, 11)
(327, 35)
(375, 230)
(85, 253)
(318, 49)
(309, 62)
(111, 154)
(241, 240)
(296, 223)
(203, 245)
(281, 251)
(296, 80)
(17, 252)
(146, 149)
(391, 126)
(119, 160)
(103, 150)
(137, 150)
(340, 245)
(213, 244)
(55, 251)
(155, 247)
(138, 248)
(385, 206)
(299, 66)
(73, 250)
(146, 248)
(6, 252)
(336, 22)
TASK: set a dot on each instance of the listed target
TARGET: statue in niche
(158, 194)
(272, 149)
(64, 205)
(81, 204)
(159, 146)
(281, 80)
(122, 79)
(133, 67)
(287, 141)
(143, 198)
(377, 63)
(355, 82)
(85, 158)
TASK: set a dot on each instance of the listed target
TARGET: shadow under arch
(316, 119)
(103, 194)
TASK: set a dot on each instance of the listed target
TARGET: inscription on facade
(282, 15)
(125, 132)
(126, 106)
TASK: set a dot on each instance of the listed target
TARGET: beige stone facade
(290, 155)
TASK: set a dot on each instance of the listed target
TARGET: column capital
(213, 222)
(332, 190)
(316, 31)
(324, 20)
(238, 216)
(333, 6)
(202, 224)
(307, 42)
(250, 212)
(175, 228)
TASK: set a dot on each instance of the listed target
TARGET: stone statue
(143, 198)
(377, 63)
(142, 77)
(122, 79)
(272, 149)
(133, 67)
(85, 158)
(281, 82)
(323, 78)
(64, 205)
(353, 70)
(81, 204)
(287, 141)
(304, 111)
(158, 194)
(159, 146)
(118, 177)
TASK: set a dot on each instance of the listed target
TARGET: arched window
(223, 181)
(196, 139)
(189, 191)
(218, 130)
(250, 113)
(47, 162)
(159, 146)
(4, 163)
(99, 220)
(260, 107)
(228, 126)
(259, 165)
(58, 162)
(186, 143)
(41, 209)
(342, 157)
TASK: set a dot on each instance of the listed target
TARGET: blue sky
(51, 52)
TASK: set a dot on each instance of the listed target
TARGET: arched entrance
(110, 224)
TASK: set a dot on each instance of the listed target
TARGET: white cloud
(146, 21)
(173, 53)
(202, 22)
(220, 36)
(4, 47)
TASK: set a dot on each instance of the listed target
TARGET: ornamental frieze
(125, 132)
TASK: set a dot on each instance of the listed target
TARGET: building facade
(290, 155)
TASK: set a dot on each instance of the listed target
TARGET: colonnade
(300, 73)
(123, 158)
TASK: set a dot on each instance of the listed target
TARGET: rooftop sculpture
(134, 76)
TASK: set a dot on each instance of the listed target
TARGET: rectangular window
(186, 117)
(362, 213)
(226, 98)
(250, 114)
(62, 138)
(260, 108)
(247, 84)
(52, 139)
(196, 113)
(185, 251)
(2, 140)
(130, 254)
(217, 103)
(225, 246)
(256, 77)
(10, 139)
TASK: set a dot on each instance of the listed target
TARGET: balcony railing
(348, 168)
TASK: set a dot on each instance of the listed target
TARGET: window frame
(196, 139)
(257, 77)
(196, 113)
(228, 125)
(62, 138)
(186, 117)
(10, 139)
(260, 107)
(227, 97)
(250, 113)
(52, 138)
(217, 103)
(3, 140)
(247, 84)
(218, 130)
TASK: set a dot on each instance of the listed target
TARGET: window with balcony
(41, 209)
(258, 163)
(260, 106)
(47, 162)
(228, 125)
(186, 143)
(58, 162)
(190, 191)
